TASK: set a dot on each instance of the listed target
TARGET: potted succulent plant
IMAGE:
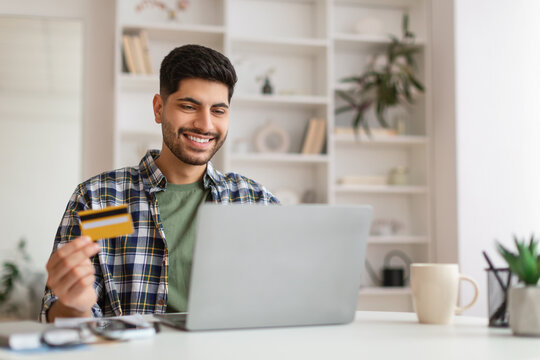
(524, 299)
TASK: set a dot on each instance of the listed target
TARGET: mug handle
(461, 309)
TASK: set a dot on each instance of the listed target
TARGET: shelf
(176, 27)
(382, 189)
(368, 39)
(281, 158)
(380, 140)
(385, 291)
(397, 239)
(137, 82)
(370, 43)
(362, 38)
(163, 37)
(302, 100)
(295, 46)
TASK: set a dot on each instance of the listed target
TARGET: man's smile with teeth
(196, 139)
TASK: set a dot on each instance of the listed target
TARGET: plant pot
(524, 310)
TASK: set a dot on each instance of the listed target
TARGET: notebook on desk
(266, 266)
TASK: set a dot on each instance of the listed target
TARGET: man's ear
(158, 108)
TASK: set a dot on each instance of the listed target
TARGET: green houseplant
(20, 286)
(524, 300)
(388, 81)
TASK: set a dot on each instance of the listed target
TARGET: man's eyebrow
(189, 99)
(196, 102)
(223, 105)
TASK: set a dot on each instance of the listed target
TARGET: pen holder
(498, 296)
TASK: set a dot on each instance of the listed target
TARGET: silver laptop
(266, 266)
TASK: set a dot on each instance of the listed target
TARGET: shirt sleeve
(67, 231)
(269, 198)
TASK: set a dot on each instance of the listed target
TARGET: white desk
(373, 335)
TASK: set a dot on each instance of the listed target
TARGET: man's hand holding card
(70, 271)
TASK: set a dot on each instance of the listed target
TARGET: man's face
(195, 119)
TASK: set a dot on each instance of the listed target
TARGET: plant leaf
(405, 25)
(366, 128)
(416, 83)
(524, 264)
(348, 98)
(357, 122)
(380, 115)
(343, 109)
(533, 246)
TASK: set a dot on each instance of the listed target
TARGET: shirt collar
(212, 176)
(154, 180)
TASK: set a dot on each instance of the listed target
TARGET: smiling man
(149, 270)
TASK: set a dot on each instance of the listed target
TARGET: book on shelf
(308, 137)
(136, 53)
(146, 53)
(128, 54)
(320, 137)
(315, 136)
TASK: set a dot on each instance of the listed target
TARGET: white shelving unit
(310, 45)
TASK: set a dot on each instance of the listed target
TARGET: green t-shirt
(178, 206)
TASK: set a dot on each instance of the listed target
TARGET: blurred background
(450, 165)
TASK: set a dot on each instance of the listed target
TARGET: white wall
(498, 128)
(98, 85)
(40, 122)
(97, 112)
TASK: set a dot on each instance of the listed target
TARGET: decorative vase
(524, 310)
(267, 87)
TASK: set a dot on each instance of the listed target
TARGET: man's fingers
(62, 284)
(81, 295)
(65, 263)
(59, 265)
(74, 245)
(66, 250)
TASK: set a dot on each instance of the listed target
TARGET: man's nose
(203, 121)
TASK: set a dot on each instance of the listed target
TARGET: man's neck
(177, 171)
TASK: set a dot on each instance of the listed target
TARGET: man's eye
(187, 107)
(219, 112)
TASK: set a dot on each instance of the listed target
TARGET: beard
(177, 144)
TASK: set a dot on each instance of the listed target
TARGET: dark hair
(195, 61)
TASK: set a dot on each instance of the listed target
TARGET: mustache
(198, 132)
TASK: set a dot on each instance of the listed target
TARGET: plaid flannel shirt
(131, 270)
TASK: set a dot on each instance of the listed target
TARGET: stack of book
(136, 54)
(315, 136)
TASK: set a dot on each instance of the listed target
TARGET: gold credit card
(106, 223)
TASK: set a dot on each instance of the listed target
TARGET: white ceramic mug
(435, 292)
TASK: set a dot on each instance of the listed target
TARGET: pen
(492, 268)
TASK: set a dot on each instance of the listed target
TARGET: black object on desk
(499, 282)
(392, 276)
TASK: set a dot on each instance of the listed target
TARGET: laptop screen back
(261, 266)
